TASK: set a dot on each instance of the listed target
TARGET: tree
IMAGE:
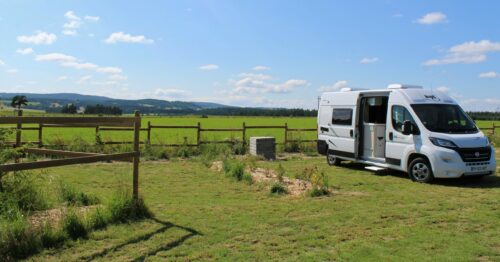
(18, 101)
(69, 109)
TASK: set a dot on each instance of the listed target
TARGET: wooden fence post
(149, 132)
(18, 129)
(198, 135)
(244, 135)
(40, 135)
(286, 134)
(137, 131)
(493, 129)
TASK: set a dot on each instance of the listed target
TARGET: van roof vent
(348, 89)
(402, 86)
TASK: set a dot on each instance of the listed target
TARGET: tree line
(485, 115)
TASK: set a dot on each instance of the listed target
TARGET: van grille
(475, 154)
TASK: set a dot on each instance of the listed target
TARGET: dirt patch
(54, 216)
(294, 186)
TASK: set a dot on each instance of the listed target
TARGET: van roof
(411, 94)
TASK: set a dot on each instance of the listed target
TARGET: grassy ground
(203, 215)
(168, 136)
(177, 135)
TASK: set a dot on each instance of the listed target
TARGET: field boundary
(149, 129)
(72, 157)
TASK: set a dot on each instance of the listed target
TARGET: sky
(250, 53)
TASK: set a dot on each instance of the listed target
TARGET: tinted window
(399, 116)
(342, 116)
(444, 118)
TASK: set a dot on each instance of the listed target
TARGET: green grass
(204, 215)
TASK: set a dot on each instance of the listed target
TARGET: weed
(237, 171)
(74, 226)
(318, 179)
(17, 240)
(123, 208)
(20, 188)
(72, 196)
(50, 236)
(98, 219)
(247, 178)
(278, 189)
(280, 172)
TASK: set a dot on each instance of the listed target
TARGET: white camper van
(419, 131)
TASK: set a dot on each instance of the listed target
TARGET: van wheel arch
(418, 166)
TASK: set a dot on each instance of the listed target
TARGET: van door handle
(391, 136)
(351, 133)
(324, 129)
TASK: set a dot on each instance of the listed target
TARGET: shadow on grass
(165, 226)
(465, 182)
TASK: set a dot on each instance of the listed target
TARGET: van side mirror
(407, 127)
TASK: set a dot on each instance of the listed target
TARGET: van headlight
(442, 142)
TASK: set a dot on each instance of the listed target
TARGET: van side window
(399, 115)
(342, 116)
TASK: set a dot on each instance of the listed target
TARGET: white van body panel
(400, 149)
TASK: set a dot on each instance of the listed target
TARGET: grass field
(169, 136)
(204, 215)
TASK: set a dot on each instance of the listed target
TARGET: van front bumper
(447, 163)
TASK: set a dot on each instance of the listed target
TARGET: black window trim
(414, 122)
(343, 108)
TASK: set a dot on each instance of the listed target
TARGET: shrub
(73, 225)
(17, 240)
(123, 208)
(98, 219)
(237, 171)
(212, 152)
(278, 189)
(319, 181)
(51, 237)
(247, 178)
(238, 148)
(72, 196)
(154, 153)
(227, 164)
(20, 188)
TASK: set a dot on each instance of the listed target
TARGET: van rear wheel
(332, 160)
(420, 170)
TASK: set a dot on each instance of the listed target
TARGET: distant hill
(54, 102)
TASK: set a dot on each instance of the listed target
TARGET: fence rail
(71, 157)
(149, 129)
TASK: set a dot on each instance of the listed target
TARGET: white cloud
(12, 71)
(92, 18)
(38, 38)
(335, 87)
(69, 32)
(76, 65)
(491, 74)
(127, 38)
(70, 15)
(432, 18)
(117, 77)
(368, 60)
(170, 93)
(84, 79)
(261, 68)
(209, 67)
(260, 83)
(443, 89)
(25, 51)
(2, 63)
(466, 53)
(397, 15)
(55, 57)
(70, 61)
(109, 70)
(73, 24)
(62, 78)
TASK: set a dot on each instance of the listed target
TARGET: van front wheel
(332, 160)
(420, 170)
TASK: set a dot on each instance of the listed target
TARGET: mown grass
(205, 215)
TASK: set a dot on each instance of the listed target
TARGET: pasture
(203, 215)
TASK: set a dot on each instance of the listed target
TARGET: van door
(397, 143)
(341, 129)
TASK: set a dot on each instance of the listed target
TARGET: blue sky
(250, 53)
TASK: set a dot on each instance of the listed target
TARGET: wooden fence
(150, 129)
(71, 157)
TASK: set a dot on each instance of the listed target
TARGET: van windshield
(444, 118)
